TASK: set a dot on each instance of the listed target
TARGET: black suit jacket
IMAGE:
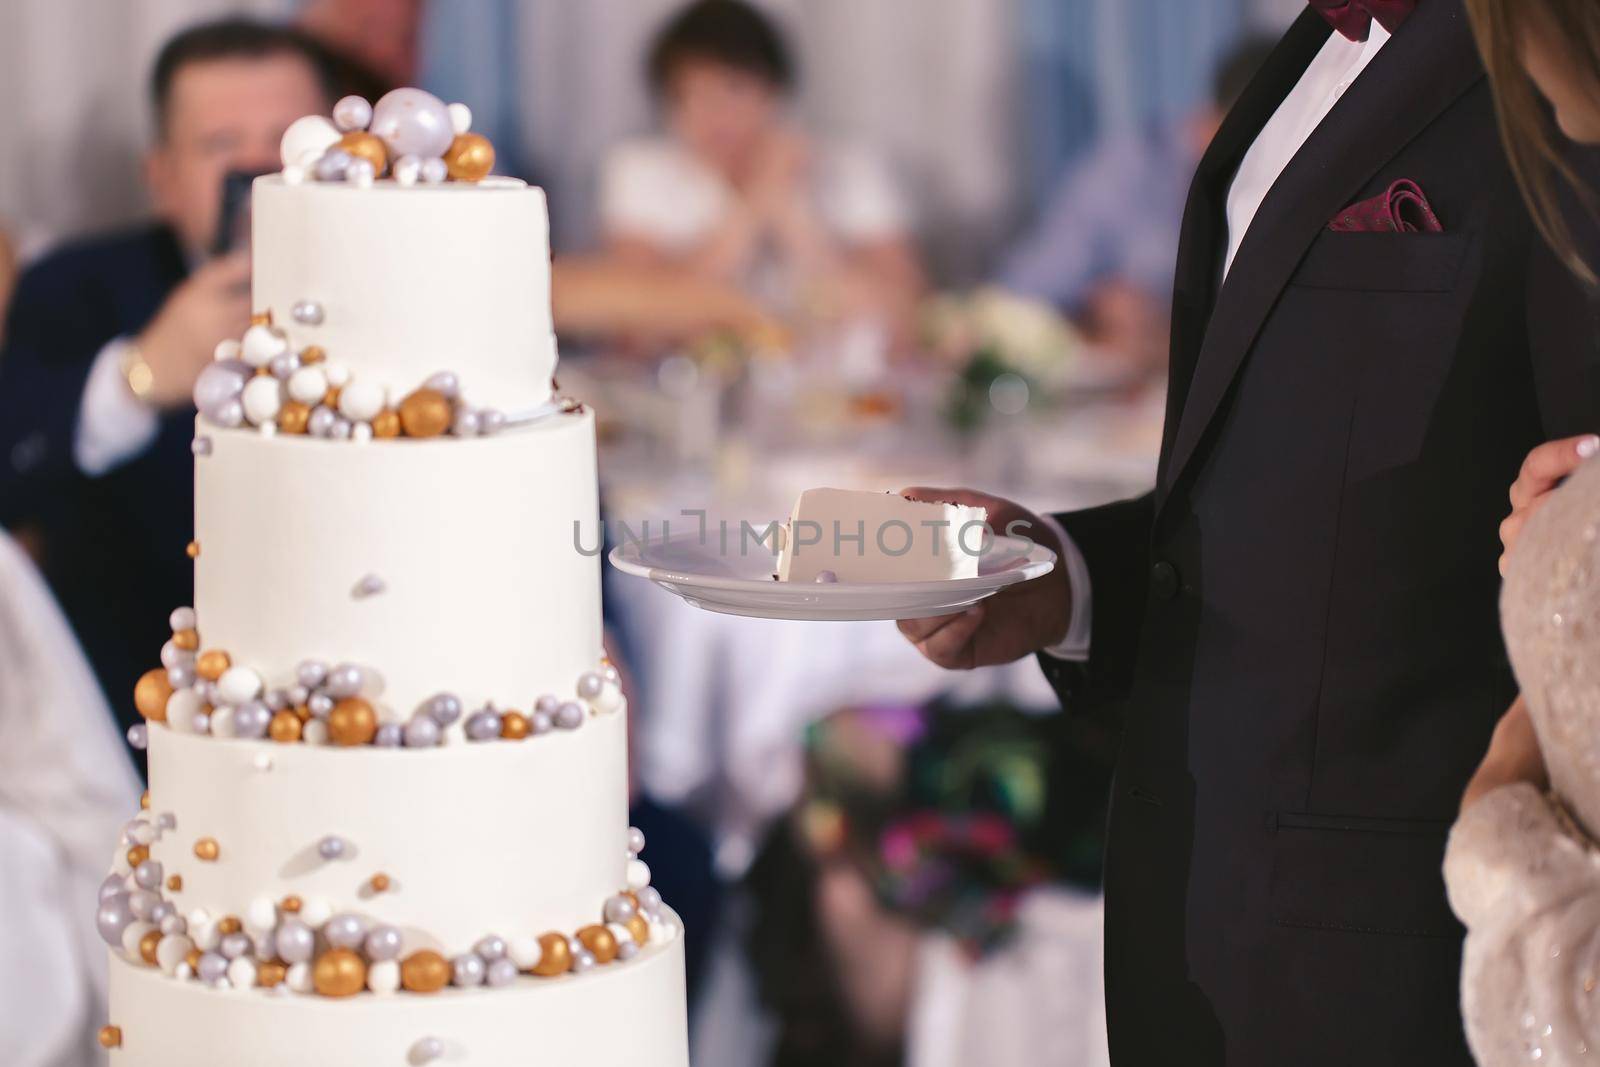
(114, 545)
(1297, 631)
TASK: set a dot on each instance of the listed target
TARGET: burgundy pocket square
(1401, 208)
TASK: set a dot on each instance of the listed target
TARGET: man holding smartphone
(106, 336)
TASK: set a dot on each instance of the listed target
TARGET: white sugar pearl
(315, 912)
(610, 699)
(384, 976)
(620, 932)
(227, 348)
(338, 374)
(314, 732)
(242, 973)
(182, 706)
(263, 399)
(310, 134)
(261, 344)
(638, 874)
(182, 619)
(362, 401)
(294, 174)
(171, 951)
(239, 685)
(308, 385)
(141, 832)
(261, 915)
(263, 762)
(132, 934)
(407, 169)
(184, 972)
(299, 978)
(525, 952)
(267, 429)
(198, 917)
(460, 118)
(206, 935)
(361, 432)
(222, 722)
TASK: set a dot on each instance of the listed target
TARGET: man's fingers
(919, 630)
(1511, 527)
(1548, 464)
(951, 645)
(964, 497)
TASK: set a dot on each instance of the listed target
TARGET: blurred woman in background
(735, 192)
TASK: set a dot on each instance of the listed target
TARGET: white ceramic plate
(736, 584)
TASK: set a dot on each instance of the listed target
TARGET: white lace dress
(1522, 867)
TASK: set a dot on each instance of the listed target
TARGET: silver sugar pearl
(333, 165)
(148, 874)
(113, 917)
(232, 946)
(826, 578)
(306, 312)
(635, 840)
(649, 900)
(345, 931)
(352, 113)
(627, 950)
(331, 847)
(435, 171)
(200, 446)
(311, 673)
(445, 383)
(340, 429)
(250, 721)
(167, 821)
(139, 736)
(383, 943)
(569, 716)
(540, 722)
(295, 940)
(490, 948)
(422, 732)
(114, 885)
(389, 735)
(425, 1051)
(590, 685)
(321, 421)
(502, 972)
(283, 365)
(491, 421)
(467, 970)
(466, 423)
(619, 909)
(548, 704)
(142, 902)
(344, 681)
(213, 966)
(181, 676)
(583, 961)
(320, 704)
(174, 924)
(483, 725)
(443, 708)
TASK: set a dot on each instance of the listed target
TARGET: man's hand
(1513, 756)
(1015, 622)
(212, 304)
(1542, 472)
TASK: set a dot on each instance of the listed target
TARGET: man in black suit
(106, 336)
(1297, 630)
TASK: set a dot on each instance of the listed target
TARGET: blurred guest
(1104, 249)
(736, 192)
(106, 337)
(65, 787)
(8, 273)
(372, 44)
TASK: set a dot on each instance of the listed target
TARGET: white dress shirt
(1328, 78)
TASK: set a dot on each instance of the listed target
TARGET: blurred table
(723, 701)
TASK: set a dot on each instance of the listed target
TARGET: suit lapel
(1428, 64)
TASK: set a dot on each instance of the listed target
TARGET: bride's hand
(1542, 473)
(1513, 756)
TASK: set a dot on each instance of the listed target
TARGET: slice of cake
(847, 535)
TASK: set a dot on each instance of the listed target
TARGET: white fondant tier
(414, 280)
(485, 593)
(512, 838)
(622, 1015)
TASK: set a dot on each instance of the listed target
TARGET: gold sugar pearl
(193, 549)
(330, 399)
(271, 974)
(639, 927)
(138, 854)
(555, 956)
(186, 640)
(229, 924)
(514, 726)
(285, 727)
(144, 800)
(111, 1037)
(425, 972)
(291, 904)
(207, 849)
(175, 883)
(469, 158)
(151, 693)
(352, 722)
(600, 942)
(294, 417)
(312, 354)
(147, 946)
(379, 883)
(426, 413)
(213, 664)
(386, 424)
(192, 958)
(261, 318)
(367, 146)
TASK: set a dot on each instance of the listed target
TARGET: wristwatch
(136, 372)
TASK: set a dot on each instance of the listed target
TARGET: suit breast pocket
(1384, 262)
(1365, 875)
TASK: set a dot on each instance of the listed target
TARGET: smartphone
(233, 218)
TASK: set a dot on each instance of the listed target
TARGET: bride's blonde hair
(1534, 144)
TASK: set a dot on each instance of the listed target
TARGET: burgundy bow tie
(1353, 18)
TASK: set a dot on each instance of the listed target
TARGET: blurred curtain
(73, 76)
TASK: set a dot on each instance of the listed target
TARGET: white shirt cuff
(114, 426)
(1075, 646)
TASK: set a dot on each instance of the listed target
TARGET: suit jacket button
(1164, 580)
(29, 453)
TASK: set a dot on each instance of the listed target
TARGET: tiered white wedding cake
(387, 819)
